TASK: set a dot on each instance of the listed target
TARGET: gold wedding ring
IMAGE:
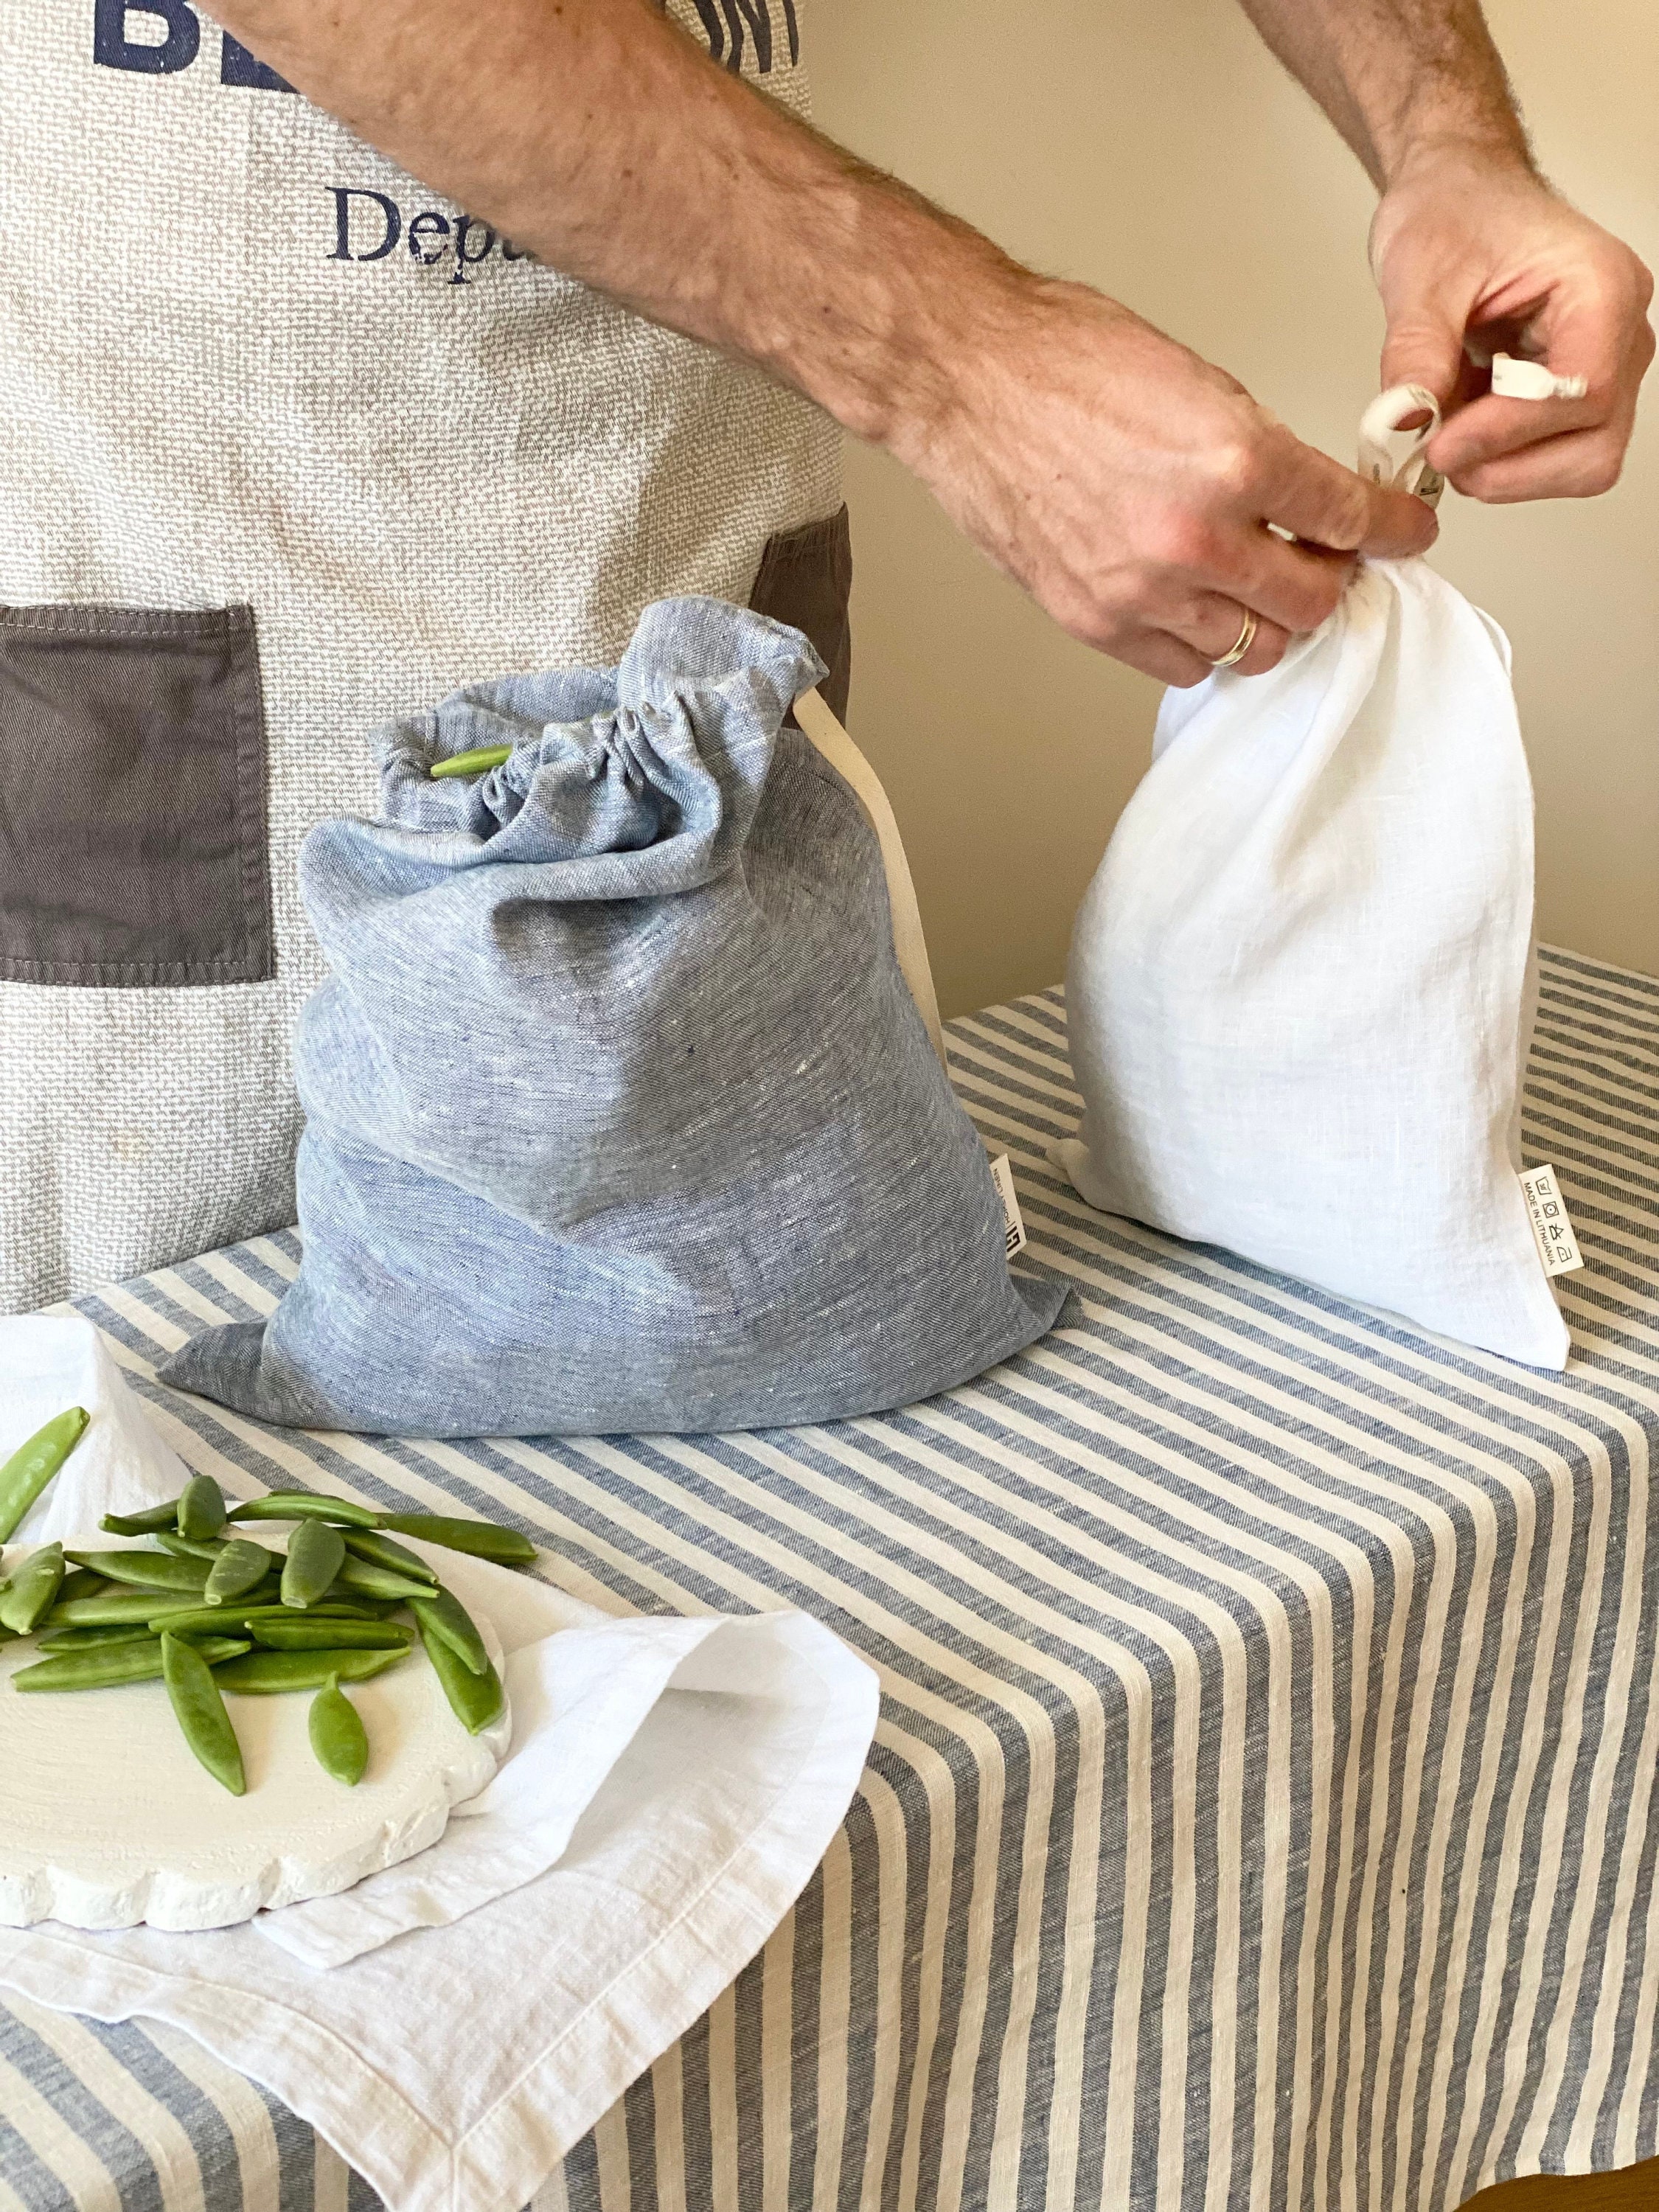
(1245, 639)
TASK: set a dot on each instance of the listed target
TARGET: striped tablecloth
(1260, 1815)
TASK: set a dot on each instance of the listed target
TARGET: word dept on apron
(290, 444)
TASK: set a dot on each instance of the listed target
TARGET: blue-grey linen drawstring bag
(620, 1115)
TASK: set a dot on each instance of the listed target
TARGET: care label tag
(1557, 1248)
(1003, 1176)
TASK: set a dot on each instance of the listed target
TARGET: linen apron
(290, 444)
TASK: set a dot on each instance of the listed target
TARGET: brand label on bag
(1003, 1176)
(1557, 1248)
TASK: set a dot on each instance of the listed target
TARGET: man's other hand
(1131, 487)
(1475, 255)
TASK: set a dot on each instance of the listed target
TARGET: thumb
(1423, 345)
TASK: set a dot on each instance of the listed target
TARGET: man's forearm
(596, 134)
(1398, 75)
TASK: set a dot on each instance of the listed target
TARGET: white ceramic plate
(106, 1820)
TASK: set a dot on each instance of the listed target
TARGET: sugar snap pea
(379, 1551)
(486, 1539)
(201, 1509)
(337, 1735)
(187, 1547)
(358, 1576)
(316, 1553)
(113, 1609)
(150, 1570)
(31, 1592)
(309, 1635)
(81, 1582)
(448, 1619)
(241, 1565)
(92, 1639)
(475, 1699)
(476, 763)
(237, 1614)
(33, 1464)
(200, 1711)
(305, 1506)
(141, 1524)
(122, 1663)
(262, 1674)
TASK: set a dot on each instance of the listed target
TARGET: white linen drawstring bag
(1301, 984)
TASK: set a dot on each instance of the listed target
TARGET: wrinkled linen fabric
(1301, 984)
(620, 1115)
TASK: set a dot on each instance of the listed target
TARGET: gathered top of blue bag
(664, 754)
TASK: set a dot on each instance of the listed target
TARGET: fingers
(1315, 498)
(1577, 464)
(1214, 625)
(1425, 345)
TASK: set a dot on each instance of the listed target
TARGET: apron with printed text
(290, 444)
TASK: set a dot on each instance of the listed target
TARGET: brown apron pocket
(132, 798)
(806, 580)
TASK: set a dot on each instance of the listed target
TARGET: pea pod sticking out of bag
(486, 1539)
(478, 762)
(33, 1464)
(241, 1565)
(33, 1590)
(201, 1509)
(316, 1553)
(337, 1735)
(305, 1506)
(200, 1711)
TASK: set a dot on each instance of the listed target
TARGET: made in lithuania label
(1557, 1248)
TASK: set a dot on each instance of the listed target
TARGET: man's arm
(1470, 243)
(1124, 482)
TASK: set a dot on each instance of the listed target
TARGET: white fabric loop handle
(1380, 432)
(909, 945)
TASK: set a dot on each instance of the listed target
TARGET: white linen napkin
(455, 2025)
(49, 1362)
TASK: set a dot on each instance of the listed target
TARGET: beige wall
(1156, 149)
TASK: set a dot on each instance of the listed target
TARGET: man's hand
(1472, 250)
(1130, 486)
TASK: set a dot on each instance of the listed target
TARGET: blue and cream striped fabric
(1260, 1815)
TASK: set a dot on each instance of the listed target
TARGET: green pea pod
(147, 1524)
(268, 1673)
(201, 1509)
(150, 1570)
(121, 1663)
(316, 1553)
(304, 1505)
(487, 1540)
(363, 1580)
(240, 1567)
(115, 1609)
(92, 1639)
(33, 1464)
(337, 1735)
(81, 1582)
(447, 1618)
(475, 763)
(187, 1547)
(33, 1590)
(200, 1713)
(379, 1551)
(475, 1699)
(237, 1614)
(309, 1635)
